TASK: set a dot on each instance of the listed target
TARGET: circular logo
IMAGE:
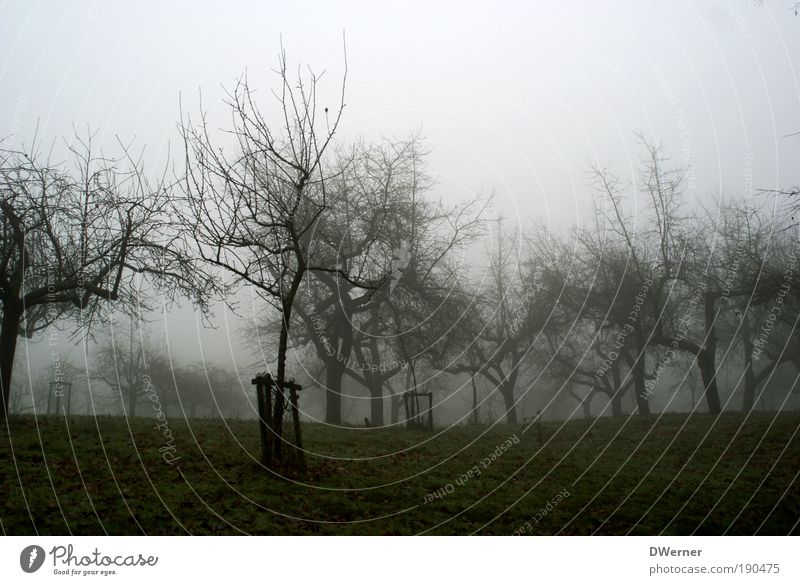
(31, 558)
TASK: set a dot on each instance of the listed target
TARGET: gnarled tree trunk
(8, 346)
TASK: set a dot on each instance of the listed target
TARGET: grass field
(670, 475)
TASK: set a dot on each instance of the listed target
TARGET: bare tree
(589, 291)
(370, 198)
(75, 236)
(763, 248)
(391, 244)
(252, 213)
(682, 263)
(133, 366)
(502, 320)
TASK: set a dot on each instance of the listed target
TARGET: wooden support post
(277, 421)
(475, 412)
(271, 419)
(262, 420)
(298, 437)
(267, 389)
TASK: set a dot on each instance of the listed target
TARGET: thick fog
(515, 100)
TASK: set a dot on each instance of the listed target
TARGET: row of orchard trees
(323, 233)
(359, 265)
(652, 289)
(344, 244)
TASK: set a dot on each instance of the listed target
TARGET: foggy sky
(513, 98)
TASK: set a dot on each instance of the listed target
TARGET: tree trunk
(639, 387)
(638, 364)
(507, 390)
(396, 399)
(586, 403)
(749, 396)
(708, 356)
(335, 365)
(376, 405)
(132, 396)
(706, 362)
(8, 348)
(287, 303)
(475, 413)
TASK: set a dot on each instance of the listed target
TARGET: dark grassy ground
(674, 475)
